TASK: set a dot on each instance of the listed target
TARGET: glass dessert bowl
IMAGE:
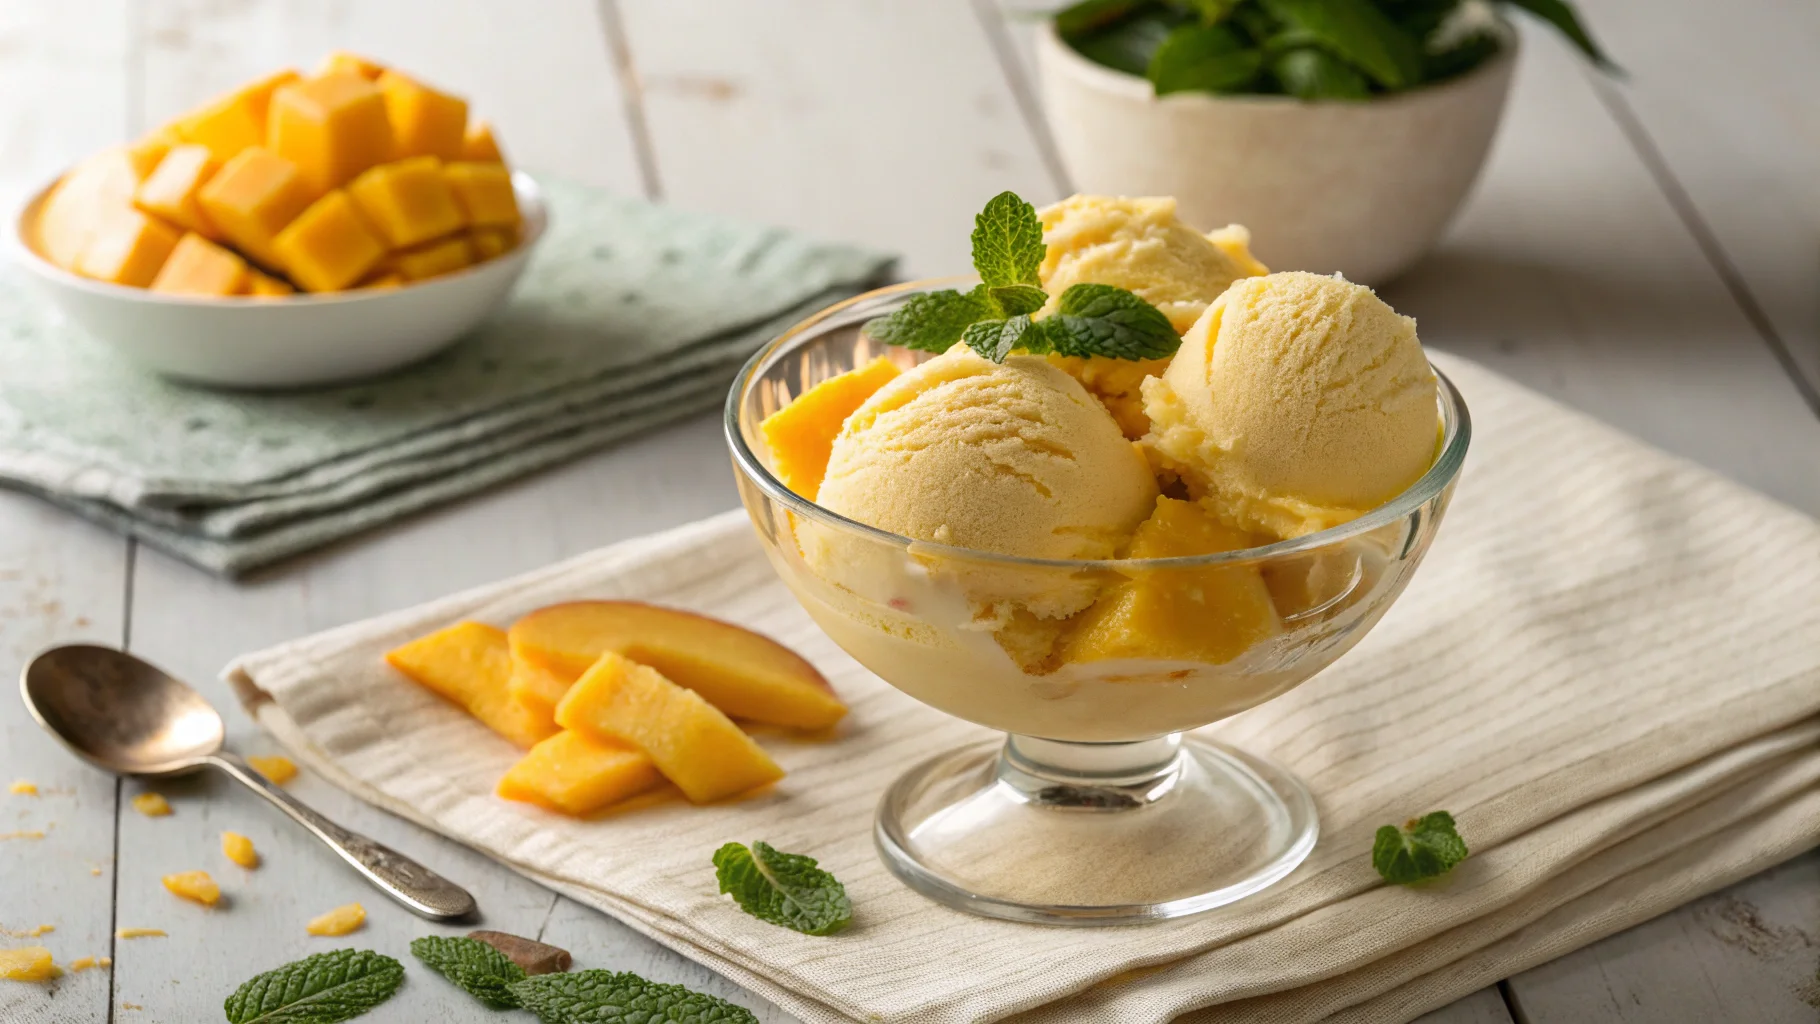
(1100, 806)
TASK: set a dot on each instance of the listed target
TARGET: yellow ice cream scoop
(1297, 402)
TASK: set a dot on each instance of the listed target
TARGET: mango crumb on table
(27, 963)
(95, 871)
(23, 788)
(24, 833)
(152, 805)
(339, 921)
(86, 962)
(277, 769)
(239, 849)
(28, 933)
(194, 885)
(139, 933)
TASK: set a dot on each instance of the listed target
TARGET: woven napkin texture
(630, 315)
(1608, 670)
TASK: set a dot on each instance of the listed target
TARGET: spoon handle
(424, 891)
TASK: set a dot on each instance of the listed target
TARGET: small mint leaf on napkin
(932, 321)
(996, 339)
(1008, 242)
(1018, 299)
(1100, 320)
(472, 966)
(1425, 847)
(620, 997)
(320, 989)
(785, 889)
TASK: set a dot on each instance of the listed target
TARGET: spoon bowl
(119, 713)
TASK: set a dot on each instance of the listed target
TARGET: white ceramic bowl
(295, 341)
(1363, 188)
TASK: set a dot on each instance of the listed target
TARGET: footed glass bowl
(1097, 808)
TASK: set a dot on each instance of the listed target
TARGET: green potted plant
(1343, 133)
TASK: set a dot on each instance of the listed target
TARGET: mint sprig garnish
(620, 997)
(319, 989)
(1425, 847)
(785, 889)
(472, 966)
(995, 318)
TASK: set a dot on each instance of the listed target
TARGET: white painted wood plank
(885, 124)
(1485, 1006)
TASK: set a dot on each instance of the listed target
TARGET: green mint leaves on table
(786, 889)
(617, 997)
(1311, 49)
(1425, 847)
(319, 989)
(996, 318)
(472, 966)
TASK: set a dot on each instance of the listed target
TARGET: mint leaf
(1100, 320)
(319, 989)
(1562, 17)
(1094, 15)
(620, 997)
(996, 339)
(1358, 33)
(1424, 847)
(1212, 12)
(1313, 74)
(1203, 58)
(1007, 242)
(931, 321)
(1016, 299)
(1128, 44)
(473, 966)
(785, 889)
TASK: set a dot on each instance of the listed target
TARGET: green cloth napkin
(630, 315)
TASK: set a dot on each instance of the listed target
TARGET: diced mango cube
(194, 885)
(537, 684)
(265, 286)
(341, 60)
(339, 921)
(150, 151)
(801, 434)
(691, 741)
(479, 143)
(170, 191)
(252, 198)
(152, 805)
(332, 127)
(388, 279)
(239, 849)
(94, 194)
(27, 963)
(198, 266)
(425, 121)
(329, 246)
(278, 769)
(129, 250)
(1208, 615)
(491, 242)
(484, 192)
(410, 201)
(231, 123)
(470, 664)
(432, 259)
(571, 773)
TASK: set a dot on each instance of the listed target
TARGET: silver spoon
(122, 715)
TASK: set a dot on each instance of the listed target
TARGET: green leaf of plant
(931, 321)
(1421, 18)
(1203, 58)
(319, 989)
(1212, 12)
(1017, 299)
(1425, 847)
(1313, 74)
(1007, 242)
(1359, 34)
(1096, 15)
(1100, 320)
(1562, 17)
(785, 889)
(1128, 45)
(473, 966)
(620, 997)
(996, 339)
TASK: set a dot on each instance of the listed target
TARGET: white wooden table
(1645, 252)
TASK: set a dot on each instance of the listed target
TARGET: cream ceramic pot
(1363, 188)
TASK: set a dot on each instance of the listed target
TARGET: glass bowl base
(1054, 832)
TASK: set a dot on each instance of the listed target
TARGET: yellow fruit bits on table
(239, 849)
(152, 805)
(194, 885)
(27, 963)
(278, 769)
(339, 921)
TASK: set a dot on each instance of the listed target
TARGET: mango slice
(736, 670)
(425, 121)
(409, 201)
(252, 198)
(471, 664)
(571, 773)
(340, 921)
(27, 963)
(538, 685)
(279, 770)
(801, 434)
(1209, 615)
(170, 192)
(194, 885)
(239, 849)
(329, 246)
(332, 127)
(690, 741)
(198, 266)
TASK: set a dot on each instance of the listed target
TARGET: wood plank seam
(1704, 237)
(613, 27)
(1023, 91)
(1512, 1005)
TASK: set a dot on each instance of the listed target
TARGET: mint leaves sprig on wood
(1424, 848)
(997, 317)
(786, 889)
(320, 989)
(472, 966)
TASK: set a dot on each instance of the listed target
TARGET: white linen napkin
(1608, 670)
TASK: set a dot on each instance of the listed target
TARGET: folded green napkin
(630, 315)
